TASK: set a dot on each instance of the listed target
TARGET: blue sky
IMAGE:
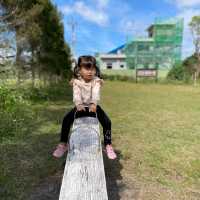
(106, 24)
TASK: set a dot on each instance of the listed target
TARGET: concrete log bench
(84, 176)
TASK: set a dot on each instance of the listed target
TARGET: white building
(115, 59)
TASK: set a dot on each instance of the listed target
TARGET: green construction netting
(162, 49)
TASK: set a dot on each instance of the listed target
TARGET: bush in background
(117, 77)
(179, 72)
(15, 115)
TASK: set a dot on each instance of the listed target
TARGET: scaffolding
(161, 49)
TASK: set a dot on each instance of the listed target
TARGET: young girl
(86, 93)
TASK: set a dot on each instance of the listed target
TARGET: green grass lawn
(156, 127)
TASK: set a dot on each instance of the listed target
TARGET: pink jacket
(86, 93)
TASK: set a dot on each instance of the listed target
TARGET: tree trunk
(195, 78)
(50, 78)
(32, 67)
(33, 75)
(18, 63)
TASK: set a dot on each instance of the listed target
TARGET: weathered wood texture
(84, 176)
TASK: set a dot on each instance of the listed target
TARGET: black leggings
(101, 115)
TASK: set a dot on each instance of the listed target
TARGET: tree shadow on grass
(25, 164)
(113, 176)
(119, 187)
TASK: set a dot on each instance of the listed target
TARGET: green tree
(39, 31)
(190, 64)
(195, 29)
(54, 53)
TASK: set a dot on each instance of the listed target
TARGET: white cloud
(102, 3)
(91, 14)
(185, 3)
(66, 10)
(133, 28)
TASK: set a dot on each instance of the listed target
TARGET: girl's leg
(106, 124)
(66, 125)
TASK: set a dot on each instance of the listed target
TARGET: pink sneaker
(60, 150)
(110, 152)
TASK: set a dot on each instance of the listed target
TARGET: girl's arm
(95, 95)
(96, 91)
(77, 97)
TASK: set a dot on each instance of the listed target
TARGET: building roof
(114, 51)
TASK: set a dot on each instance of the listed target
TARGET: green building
(161, 49)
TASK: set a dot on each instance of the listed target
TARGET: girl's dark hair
(87, 62)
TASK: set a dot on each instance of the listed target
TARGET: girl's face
(87, 73)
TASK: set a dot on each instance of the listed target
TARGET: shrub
(117, 77)
(15, 115)
(48, 93)
(179, 72)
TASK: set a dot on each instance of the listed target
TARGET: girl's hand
(71, 82)
(80, 107)
(101, 82)
(92, 108)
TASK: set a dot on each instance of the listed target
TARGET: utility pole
(130, 30)
(73, 24)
